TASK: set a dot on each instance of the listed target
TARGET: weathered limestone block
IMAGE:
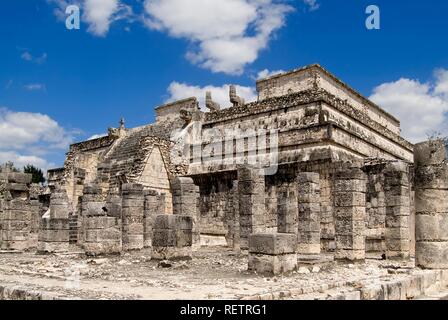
(272, 253)
(92, 203)
(132, 216)
(251, 202)
(349, 212)
(288, 211)
(172, 237)
(54, 231)
(398, 208)
(103, 235)
(185, 202)
(152, 208)
(15, 211)
(431, 205)
(236, 217)
(309, 213)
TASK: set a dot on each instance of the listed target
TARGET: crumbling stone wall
(217, 211)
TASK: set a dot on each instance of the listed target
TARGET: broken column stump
(54, 232)
(132, 216)
(172, 237)
(398, 210)
(251, 202)
(185, 202)
(309, 213)
(431, 205)
(152, 209)
(102, 234)
(15, 211)
(272, 253)
(349, 212)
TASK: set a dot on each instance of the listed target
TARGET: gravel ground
(214, 273)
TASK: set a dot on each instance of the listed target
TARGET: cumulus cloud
(226, 35)
(98, 14)
(421, 107)
(178, 91)
(22, 160)
(27, 56)
(312, 4)
(27, 137)
(267, 73)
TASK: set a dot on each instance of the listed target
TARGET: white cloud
(313, 5)
(220, 95)
(421, 107)
(27, 137)
(22, 160)
(98, 14)
(226, 34)
(96, 136)
(266, 73)
(27, 56)
(34, 87)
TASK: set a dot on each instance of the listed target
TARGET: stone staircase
(73, 224)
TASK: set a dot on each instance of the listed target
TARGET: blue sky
(58, 86)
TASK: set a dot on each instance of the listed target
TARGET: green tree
(38, 175)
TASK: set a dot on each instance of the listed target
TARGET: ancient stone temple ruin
(312, 170)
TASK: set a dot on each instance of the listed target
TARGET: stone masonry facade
(332, 177)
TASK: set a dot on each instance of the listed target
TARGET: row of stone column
(299, 213)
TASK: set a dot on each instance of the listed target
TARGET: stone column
(132, 216)
(288, 211)
(151, 211)
(16, 211)
(308, 213)
(236, 217)
(397, 194)
(349, 212)
(172, 237)
(102, 232)
(431, 205)
(54, 231)
(272, 253)
(251, 202)
(185, 202)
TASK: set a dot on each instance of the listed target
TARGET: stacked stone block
(397, 193)
(132, 216)
(288, 211)
(251, 189)
(54, 233)
(35, 208)
(349, 211)
(186, 202)
(152, 209)
(272, 253)
(15, 211)
(236, 218)
(172, 237)
(308, 213)
(431, 205)
(102, 234)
